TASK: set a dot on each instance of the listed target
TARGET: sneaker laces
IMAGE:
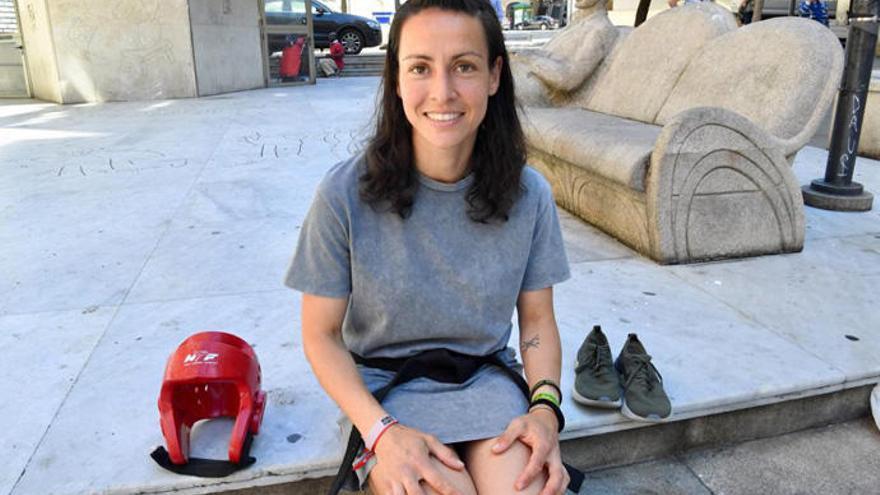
(596, 361)
(641, 375)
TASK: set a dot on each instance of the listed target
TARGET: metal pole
(759, 10)
(837, 191)
(642, 12)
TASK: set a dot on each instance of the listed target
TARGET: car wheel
(353, 41)
(543, 27)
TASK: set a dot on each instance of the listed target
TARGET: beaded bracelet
(560, 418)
(549, 383)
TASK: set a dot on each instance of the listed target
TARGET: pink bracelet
(379, 428)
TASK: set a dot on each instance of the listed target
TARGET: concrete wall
(122, 50)
(97, 50)
(39, 49)
(227, 45)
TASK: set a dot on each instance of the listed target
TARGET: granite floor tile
(668, 477)
(583, 242)
(41, 355)
(818, 299)
(700, 345)
(111, 413)
(227, 258)
(841, 459)
(73, 249)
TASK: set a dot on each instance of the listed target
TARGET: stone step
(364, 65)
(657, 441)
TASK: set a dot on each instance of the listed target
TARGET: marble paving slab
(701, 346)
(41, 356)
(282, 189)
(813, 299)
(822, 224)
(232, 258)
(868, 243)
(583, 242)
(73, 249)
(112, 414)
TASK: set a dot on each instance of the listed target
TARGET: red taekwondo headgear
(210, 375)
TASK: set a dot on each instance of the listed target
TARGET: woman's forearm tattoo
(532, 343)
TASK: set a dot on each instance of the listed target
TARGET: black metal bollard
(837, 191)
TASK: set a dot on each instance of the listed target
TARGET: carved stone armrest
(719, 186)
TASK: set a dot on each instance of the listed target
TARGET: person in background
(814, 9)
(337, 53)
(291, 59)
(674, 3)
(499, 10)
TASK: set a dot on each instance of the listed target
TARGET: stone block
(614, 208)
(705, 173)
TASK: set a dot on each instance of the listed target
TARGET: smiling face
(445, 80)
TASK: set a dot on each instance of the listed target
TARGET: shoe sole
(635, 417)
(604, 404)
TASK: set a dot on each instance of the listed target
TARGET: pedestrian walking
(674, 3)
(411, 261)
(814, 9)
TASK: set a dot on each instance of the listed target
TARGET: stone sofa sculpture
(681, 144)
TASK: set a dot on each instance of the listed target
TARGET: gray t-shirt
(436, 279)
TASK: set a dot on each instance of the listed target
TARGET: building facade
(78, 51)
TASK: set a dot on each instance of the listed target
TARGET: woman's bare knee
(461, 480)
(497, 473)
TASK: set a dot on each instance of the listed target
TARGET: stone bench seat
(592, 140)
(681, 147)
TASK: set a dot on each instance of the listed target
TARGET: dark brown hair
(499, 151)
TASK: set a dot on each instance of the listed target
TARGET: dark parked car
(355, 32)
(541, 22)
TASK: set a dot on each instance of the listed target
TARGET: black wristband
(541, 383)
(558, 412)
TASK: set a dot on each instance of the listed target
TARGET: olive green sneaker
(596, 382)
(643, 396)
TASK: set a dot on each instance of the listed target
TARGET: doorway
(13, 80)
(288, 42)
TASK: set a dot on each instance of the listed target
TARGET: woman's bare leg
(496, 473)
